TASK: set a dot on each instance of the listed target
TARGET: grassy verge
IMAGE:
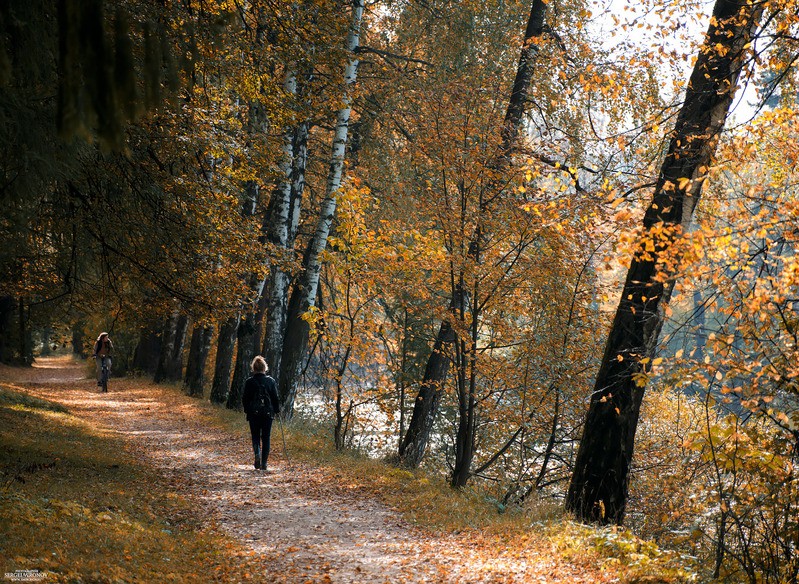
(74, 507)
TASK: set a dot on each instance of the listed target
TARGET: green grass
(73, 504)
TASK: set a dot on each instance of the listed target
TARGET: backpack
(262, 405)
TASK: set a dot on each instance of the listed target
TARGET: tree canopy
(543, 248)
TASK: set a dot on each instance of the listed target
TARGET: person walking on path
(103, 347)
(261, 406)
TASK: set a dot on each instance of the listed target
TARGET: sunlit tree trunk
(414, 443)
(276, 228)
(598, 489)
(295, 345)
(199, 348)
(277, 312)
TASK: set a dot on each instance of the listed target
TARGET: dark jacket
(251, 392)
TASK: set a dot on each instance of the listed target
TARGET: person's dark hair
(259, 365)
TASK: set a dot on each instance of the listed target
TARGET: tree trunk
(425, 407)
(298, 179)
(78, 336)
(276, 227)
(225, 344)
(401, 379)
(295, 344)
(47, 333)
(148, 350)
(170, 362)
(6, 312)
(698, 326)
(598, 489)
(467, 391)
(247, 345)
(25, 337)
(198, 355)
(464, 440)
(280, 281)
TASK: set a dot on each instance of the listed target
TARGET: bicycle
(104, 373)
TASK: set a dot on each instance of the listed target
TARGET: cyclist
(102, 348)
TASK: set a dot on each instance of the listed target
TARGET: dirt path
(303, 529)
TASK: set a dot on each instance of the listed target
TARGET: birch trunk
(276, 227)
(277, 313)
(425, 408)
(295, 345)
(599, 484)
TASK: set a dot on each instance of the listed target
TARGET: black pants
(261, 429)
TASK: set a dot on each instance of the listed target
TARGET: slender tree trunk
(467, 391)
(464, 439)
(148, 349)
(401, 380)
(598, 489)
(198, 355)
(225, 345)
(427, 400)
(220, 386)
(276, 227)
(247, 345)
(721, 534)
(550, 447)
(172, 341)
(298, 180)
(25, 335)
(340, 426)
(700, 333)
(280, 280)
(413, 446)
(78, 336)
(46, 334)
(6, 312)
(295, 344)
